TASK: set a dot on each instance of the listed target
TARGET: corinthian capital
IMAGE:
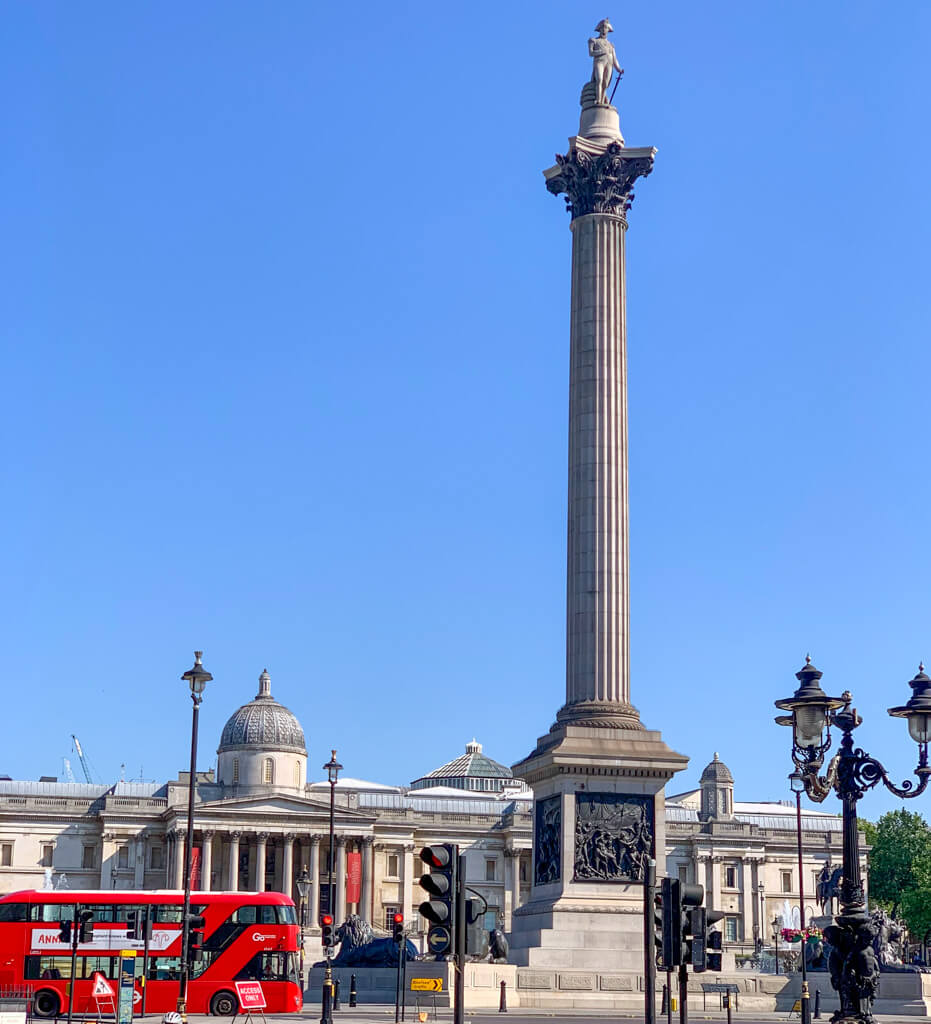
(599, 182)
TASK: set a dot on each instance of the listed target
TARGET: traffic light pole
(669, 995)
(75, 932)
(146, 934)
(649, 950)
(460, 944)
(683, 993)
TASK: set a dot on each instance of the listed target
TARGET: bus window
(207, 958)
(47, 967)
(270, 967)
(51, 912)
(164, 968)
(170, 913)
(13, 911)
(286, 915)
(108, 966)
(244, 915)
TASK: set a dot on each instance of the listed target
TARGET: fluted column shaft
(287, 866)
(339, 879)
(260, 842)
(597, 598)
(313, 870)
(206, 860)
(179, 860)
(368, 867)
(234, 862)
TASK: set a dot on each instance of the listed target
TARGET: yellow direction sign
(796, 1006)
(426, 984)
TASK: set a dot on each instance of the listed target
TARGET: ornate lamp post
(850, 773)
(197, 678)
(303, 888)
(762, 888)
(777, 921)
(797, 784)
(332, 768)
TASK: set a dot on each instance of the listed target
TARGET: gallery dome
(263, 722)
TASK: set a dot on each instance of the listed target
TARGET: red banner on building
(353, 877)
(195, 867)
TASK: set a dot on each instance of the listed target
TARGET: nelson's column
(598, 774)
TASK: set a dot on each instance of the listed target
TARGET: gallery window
(48, 854)
(89, 857)
(491, 870)
(730, 929)
(730, 876)
(390, 911)
(6, 855)
(157, 857)
(786, 877)
(392, 865)
(268, 771)
(122, 857)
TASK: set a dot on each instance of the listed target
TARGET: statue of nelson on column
(604, 60)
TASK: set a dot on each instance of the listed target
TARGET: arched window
(268, 774)
(235, 770)
(297, 773)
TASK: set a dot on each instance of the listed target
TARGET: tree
(900, 868)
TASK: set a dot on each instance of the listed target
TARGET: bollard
(817, 1004)
(336, 1005)
(352, 990)
(662, 1008)
(727, 1003)
(503, 1001)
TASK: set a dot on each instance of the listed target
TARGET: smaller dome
(717, 771)
(473, 770)
(263, 722)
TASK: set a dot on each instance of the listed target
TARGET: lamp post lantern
(332, 768)
(850, 773)
(197, 678)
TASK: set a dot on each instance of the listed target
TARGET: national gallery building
(259, 822)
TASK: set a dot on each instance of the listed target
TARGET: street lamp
(197, 678)
(797, 784)
(332, 768)
(850, 773)
(762, 888)
(303, 888)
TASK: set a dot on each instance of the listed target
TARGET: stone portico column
(339, 879)
(715, 903)
(139, 850)
(234, 861)
(407, 898)
(368, 867)
(512, 880)
(260, 843)
(206, 859)
(287, 865)
(313, 869)
(178, 880)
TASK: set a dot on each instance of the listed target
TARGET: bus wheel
(45, 1003)
(223, 1004)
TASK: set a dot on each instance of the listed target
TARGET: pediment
(280, 804)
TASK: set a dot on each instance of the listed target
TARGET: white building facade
(258, 823)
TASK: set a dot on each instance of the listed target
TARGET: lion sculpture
(361, 947)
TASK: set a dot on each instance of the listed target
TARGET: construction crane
(84, 765)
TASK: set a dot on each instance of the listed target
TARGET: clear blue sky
(285, 356)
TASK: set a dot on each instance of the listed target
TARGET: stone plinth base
(560, 936)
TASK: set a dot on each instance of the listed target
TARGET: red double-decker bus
(248, 936)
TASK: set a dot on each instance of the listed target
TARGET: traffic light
(690, 897)
(195, 937)
(85, 925)
(671, 896)
(133, 924)
(440, 883)
(326, 931)
(397, 928)
(476, 933)
(704, 940)
(658, 928)
(64, 932)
